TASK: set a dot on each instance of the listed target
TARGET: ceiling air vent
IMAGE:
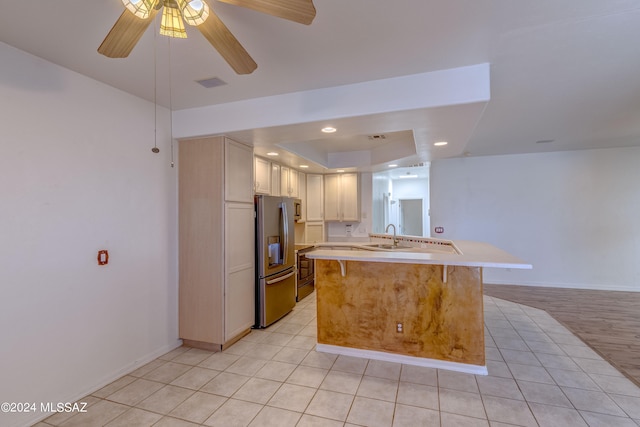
(376, 137)
(212, 82)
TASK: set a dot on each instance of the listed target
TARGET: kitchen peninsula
(418, 302)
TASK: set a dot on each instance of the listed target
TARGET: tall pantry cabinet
(216, 241)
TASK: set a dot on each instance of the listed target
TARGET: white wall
(573, 215)
(77, 175)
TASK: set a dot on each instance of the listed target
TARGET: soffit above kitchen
(416, 111)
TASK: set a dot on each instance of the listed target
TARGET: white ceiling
(565, 71)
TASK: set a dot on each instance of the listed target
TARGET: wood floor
(607, 321)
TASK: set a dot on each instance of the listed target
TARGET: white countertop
(472, 254)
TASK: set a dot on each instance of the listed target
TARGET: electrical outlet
(399, 327)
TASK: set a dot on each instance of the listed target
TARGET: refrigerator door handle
(280, 279)
(285, 223)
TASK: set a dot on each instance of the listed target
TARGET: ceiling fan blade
(125, 34)
(214, 30)
(301, 11)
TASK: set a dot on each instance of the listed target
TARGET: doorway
(401, 192)
(410, 218)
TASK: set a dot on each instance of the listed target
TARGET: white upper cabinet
(342, 197)
(315, 198)
(284, 181)
(302, 195)
(294, 182)
(288, 182)
(332, 198)
(350, 200)
(262, 174)
(275, 179)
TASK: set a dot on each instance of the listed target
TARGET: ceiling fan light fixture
(194, 12)
(140, 8)
(171, 24)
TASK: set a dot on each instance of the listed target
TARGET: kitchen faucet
(386, 230)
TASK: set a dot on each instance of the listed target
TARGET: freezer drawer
(277, 297)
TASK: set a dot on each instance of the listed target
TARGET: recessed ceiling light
(393, 166)
(340, 170)
(304, 166)
(329, 129)
(440, 143)
(272, 153)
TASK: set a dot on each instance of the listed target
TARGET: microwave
(297, 209)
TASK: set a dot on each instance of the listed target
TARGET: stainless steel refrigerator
(275, 259)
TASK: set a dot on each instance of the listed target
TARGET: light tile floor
(539, 375)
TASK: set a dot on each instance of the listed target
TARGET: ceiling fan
(139, 14)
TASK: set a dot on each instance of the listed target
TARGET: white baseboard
(400, 358)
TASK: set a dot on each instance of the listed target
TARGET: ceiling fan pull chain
(155, 148)
(170, 106)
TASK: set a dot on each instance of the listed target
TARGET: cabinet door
(315, 198)
(262, 174)
(239, 269)
(275, 179)
(332, 198)
(293, 183)
(302, 194)
(314, 232)
(285, 189)
(350, 197)
(238, 172)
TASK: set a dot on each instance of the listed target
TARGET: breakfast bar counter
(419, 305)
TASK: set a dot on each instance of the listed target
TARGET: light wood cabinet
(262, 174)
(315, 197)
(342, 197)
(239, 269)
(288, 182)
(238, 184)
(216, 242)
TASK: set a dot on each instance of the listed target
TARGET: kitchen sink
(386, 246)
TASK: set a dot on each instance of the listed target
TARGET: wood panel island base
(402, 310)
(412, 307)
